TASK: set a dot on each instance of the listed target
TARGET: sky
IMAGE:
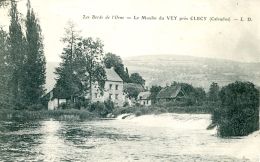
(233, 40)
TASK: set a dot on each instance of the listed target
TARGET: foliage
(34, 63)
(192, 95)
(239, 113)
(4, 72)
(137, 78)
(154, 92)
(126, 104)
(112, 60)
(102, 108)
(36, 107)
(62, 115)
(132, 90)
(109, 105)
(213, 94)
(89, 61)
(16, 57)
(68, 84)
(199, 95)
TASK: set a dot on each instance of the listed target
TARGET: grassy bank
(75, 114)
(158, 109)
(69, 114)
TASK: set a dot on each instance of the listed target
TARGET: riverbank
(69, 114)
(85, 114)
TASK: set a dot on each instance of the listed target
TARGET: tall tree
(68, 83)
(90, 63)
(4, 72)
(35, 64)
(16, 57)
(213, 94)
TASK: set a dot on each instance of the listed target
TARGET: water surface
(166, 137)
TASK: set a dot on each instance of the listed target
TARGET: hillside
(164, 69)
(201, 72)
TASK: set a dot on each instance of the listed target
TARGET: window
(116, 87)
(110, 86)
(147, 102)
(116, 96)
(96, 95)
(110, 96)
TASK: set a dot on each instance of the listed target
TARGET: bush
(126, 104)
(138, 113)
(239, 112)
(109, 106)
(36, 107)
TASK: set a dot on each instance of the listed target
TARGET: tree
(112, 60)
(239, 112)
(213, 94)
(16, 58)
(199, 95)
(34, 68)
(4, 72)
(89, 61)
(68, 84)
(137, 78)
(154, 92)
(132, 89)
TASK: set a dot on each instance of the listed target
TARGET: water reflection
(168, 137)
(51, 147)
(18, 139)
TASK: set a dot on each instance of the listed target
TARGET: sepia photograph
(129, 80)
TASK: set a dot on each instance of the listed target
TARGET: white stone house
(144, 98)
(113, 89)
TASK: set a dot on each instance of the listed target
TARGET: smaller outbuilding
(144, 98)
(55, 99)
(170, 93)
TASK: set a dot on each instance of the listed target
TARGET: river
(165, 137)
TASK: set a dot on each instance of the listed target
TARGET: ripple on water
(167, 137)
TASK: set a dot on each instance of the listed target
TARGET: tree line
(83, 64)
(22, 65)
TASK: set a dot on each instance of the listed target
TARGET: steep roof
(144, 95)
(169, 92)
(112, 75)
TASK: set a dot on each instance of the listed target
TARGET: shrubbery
(36, 107)
(69, 114)
(102, 108)
(239, 111)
